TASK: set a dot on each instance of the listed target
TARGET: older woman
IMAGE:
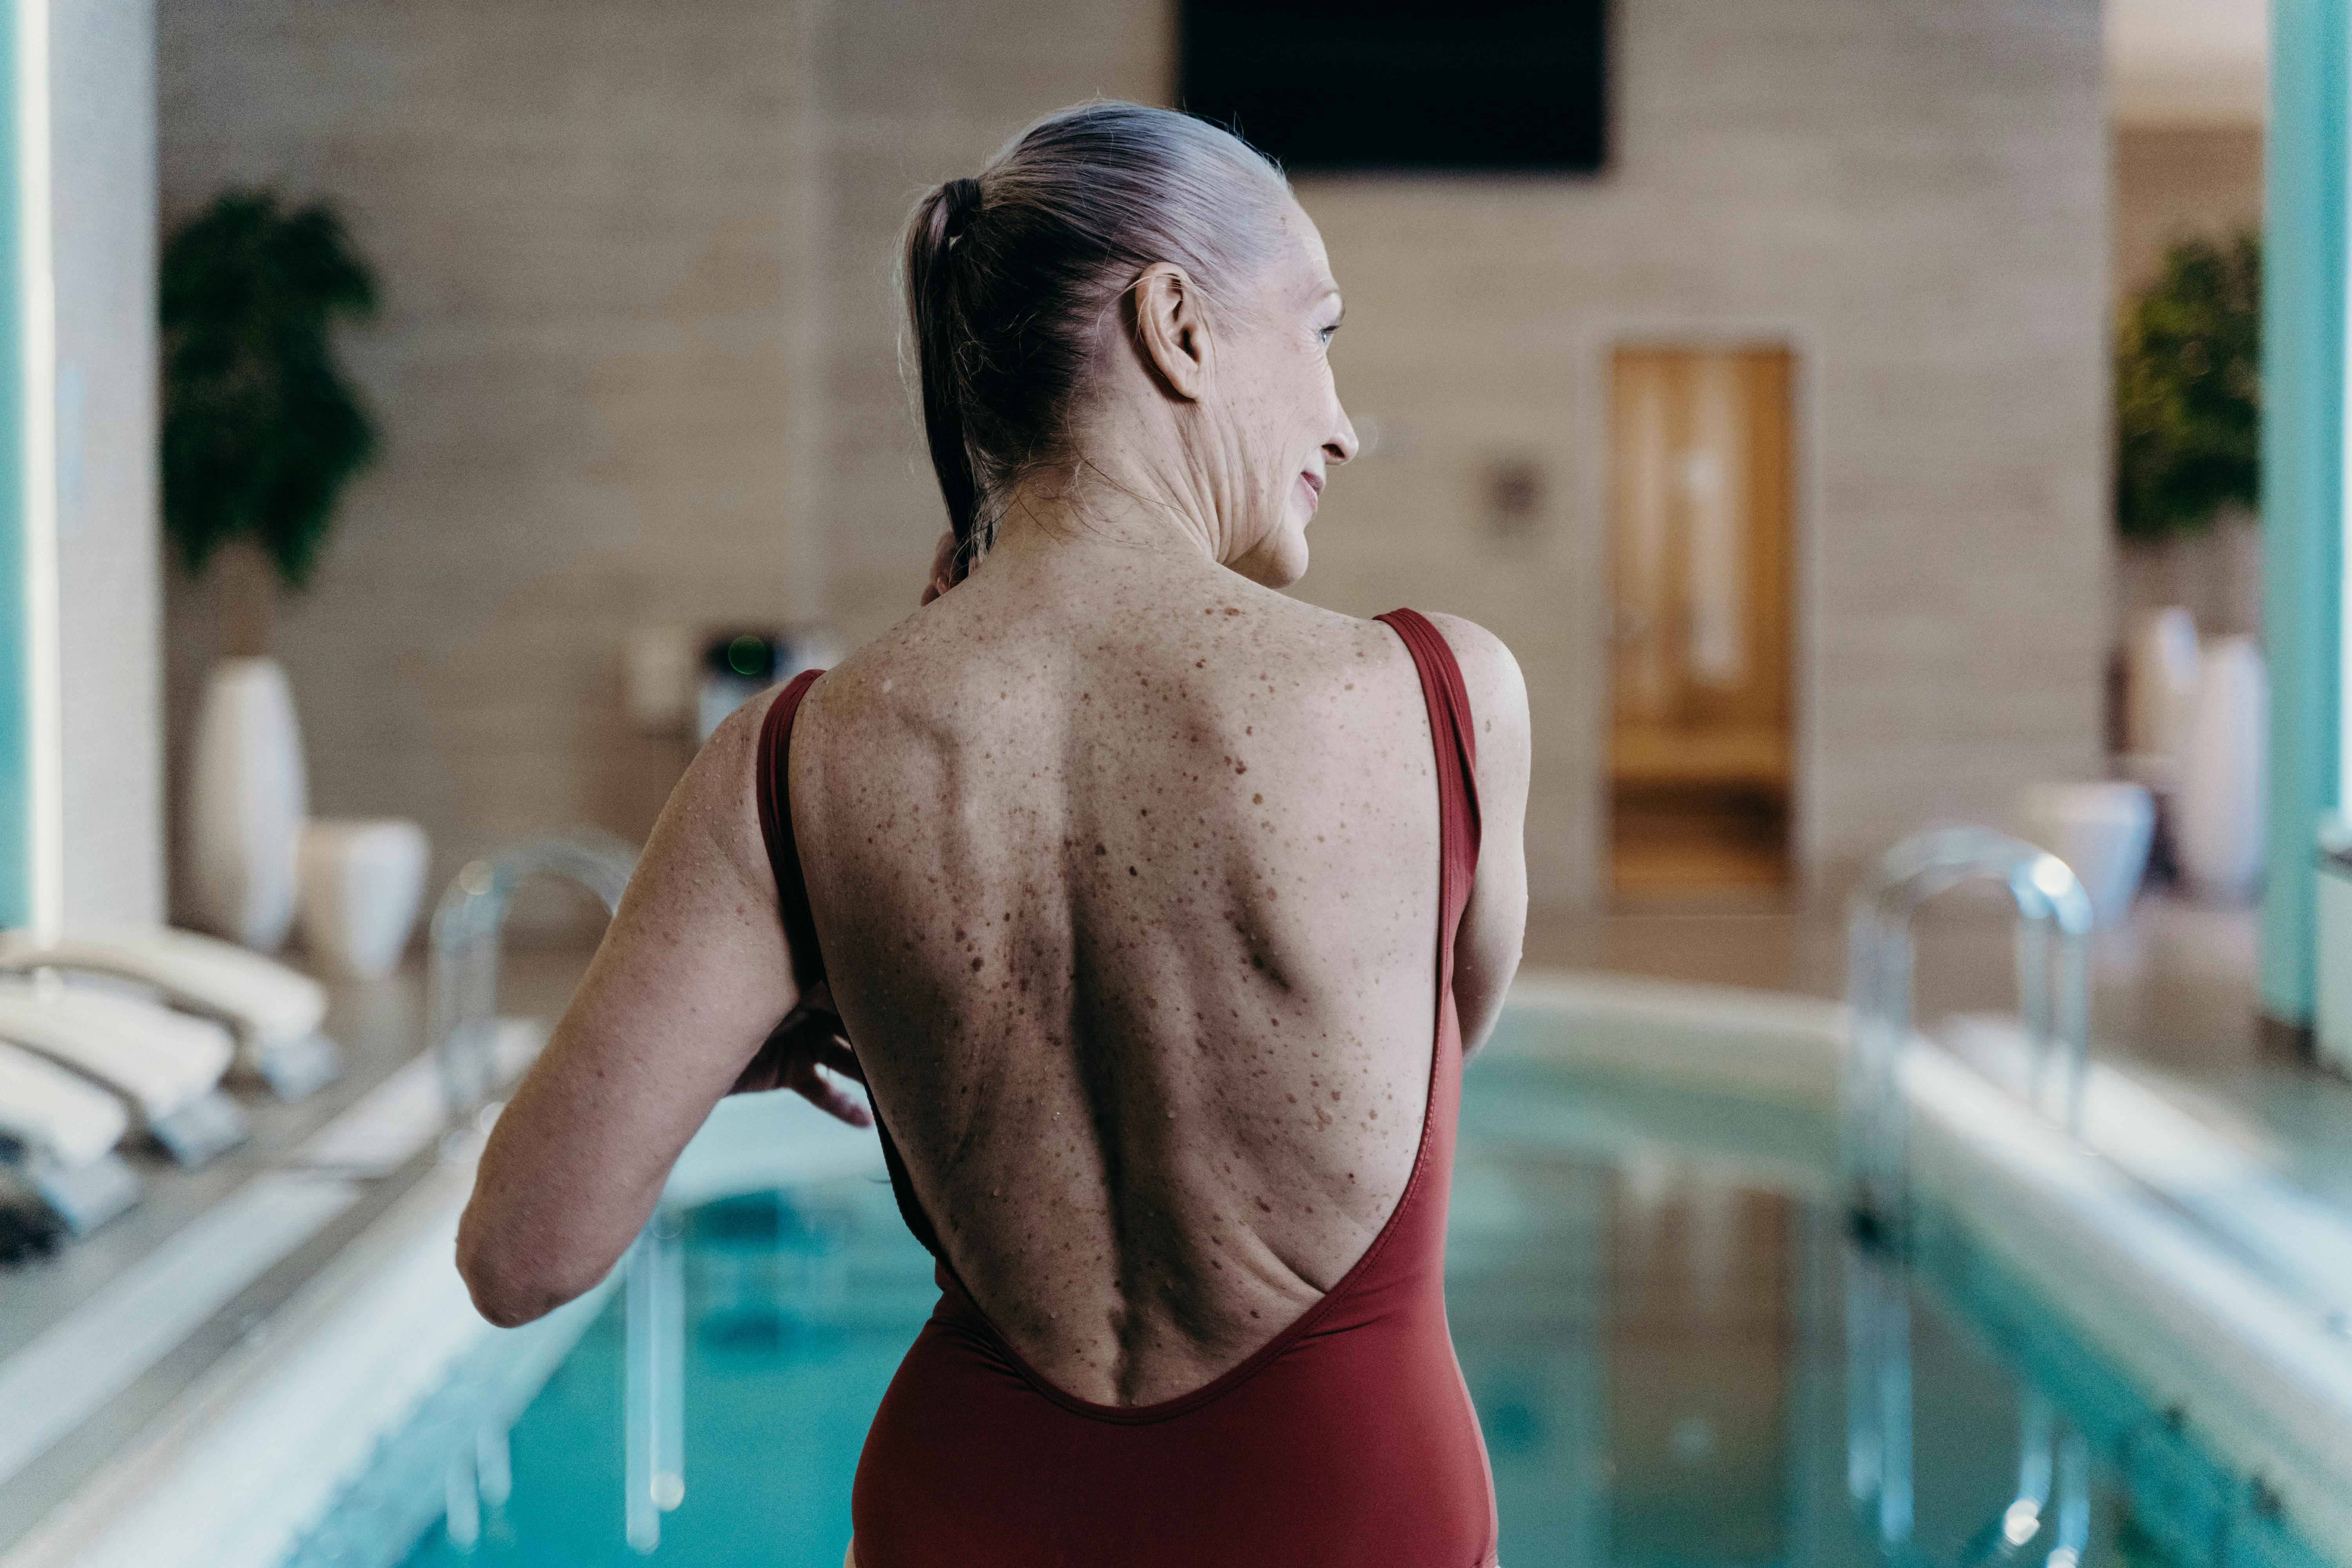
(1155, 910)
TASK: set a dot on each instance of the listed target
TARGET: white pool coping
(238, 1467)
(59, 1380)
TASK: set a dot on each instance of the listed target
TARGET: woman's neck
(1070, 515)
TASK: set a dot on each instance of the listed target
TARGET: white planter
(2160, 688)
(362, 883)
(2101, 830)
(247, 799)
(2225, 772)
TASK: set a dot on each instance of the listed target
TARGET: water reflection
(1879, 1420)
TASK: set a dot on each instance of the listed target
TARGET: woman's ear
(943, 565)
(1172, 329)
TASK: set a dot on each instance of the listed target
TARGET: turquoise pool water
(1660, 1331)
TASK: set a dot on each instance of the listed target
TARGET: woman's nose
(1341, 446)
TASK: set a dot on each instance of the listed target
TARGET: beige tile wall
(595, 225)
(2174, 181)
(638, 363)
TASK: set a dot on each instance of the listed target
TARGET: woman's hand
(810, 1037)
(942, 568)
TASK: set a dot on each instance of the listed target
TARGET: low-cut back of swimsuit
(1348, 1440)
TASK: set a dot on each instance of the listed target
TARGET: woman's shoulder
(1490, 675)
(1485, 659)
(886, 671)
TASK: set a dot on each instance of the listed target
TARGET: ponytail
(1010, 278)
(935, 311)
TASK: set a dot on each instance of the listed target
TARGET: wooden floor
(1675, 839)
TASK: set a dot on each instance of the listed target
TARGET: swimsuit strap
(773, 786)
(1454, 737)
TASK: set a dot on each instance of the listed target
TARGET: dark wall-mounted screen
(1404, 84)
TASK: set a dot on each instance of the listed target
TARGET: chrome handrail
(2053, 995)
(462, 957)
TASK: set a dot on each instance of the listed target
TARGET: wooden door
(1699, 754)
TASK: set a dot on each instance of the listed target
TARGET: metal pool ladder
(2054, 995)
(462, 957)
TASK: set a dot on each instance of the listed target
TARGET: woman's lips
(1313, 484)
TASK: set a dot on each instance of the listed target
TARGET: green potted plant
(261, 433)
(2189, 385)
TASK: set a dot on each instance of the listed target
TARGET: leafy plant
(2188, 390)
(261, 430)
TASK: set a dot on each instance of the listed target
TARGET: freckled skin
(1126, 1094)
(1125, 868)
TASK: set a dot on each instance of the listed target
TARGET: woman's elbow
(499, 1295)
(509, 1287)
(506, 1305)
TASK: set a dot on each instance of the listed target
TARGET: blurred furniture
(1700, 754)
(273, 1012)
(60, 1133)
(2224, 770)
(247, 800)
(166, 1066)
(362, 883)
(2101, 830)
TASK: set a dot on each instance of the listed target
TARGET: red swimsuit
(1348, 1440)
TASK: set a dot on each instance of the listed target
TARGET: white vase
(2225, 772)
(360, 885)
(2101, 831)
(247, 799)
(2160, 691)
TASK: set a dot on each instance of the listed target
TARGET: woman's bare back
(1128, 886)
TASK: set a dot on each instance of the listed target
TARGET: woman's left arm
(685, 991)
(1494, 927)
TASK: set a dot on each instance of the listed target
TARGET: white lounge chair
(274, 1011)
(167, 1065)
(55, 1114)
(66, 1129)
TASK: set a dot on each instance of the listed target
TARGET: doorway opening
(1700, 507)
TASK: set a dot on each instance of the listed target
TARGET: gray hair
(1010, 277)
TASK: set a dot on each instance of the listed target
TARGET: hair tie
(962, 198)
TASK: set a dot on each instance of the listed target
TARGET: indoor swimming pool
(1678, 1356)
